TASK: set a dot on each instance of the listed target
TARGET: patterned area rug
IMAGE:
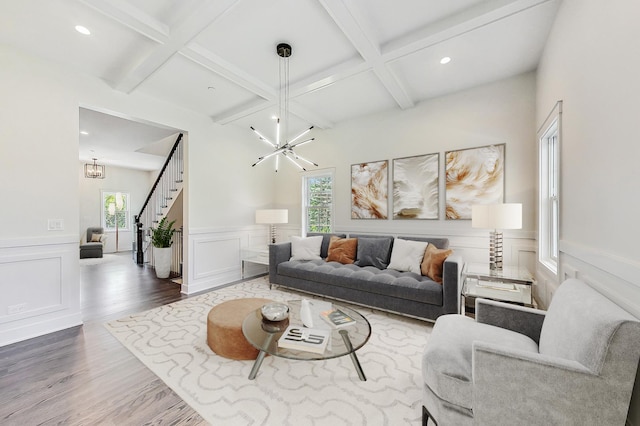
(171, 342)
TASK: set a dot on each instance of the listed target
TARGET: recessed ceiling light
(82, 30)
(445, 60)
(84, 132)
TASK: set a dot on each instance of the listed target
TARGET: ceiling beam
(478, 16)
(173, 40)
(329, 76)
(254, 107)
(347, 19)
(131, 17)
(216, 64)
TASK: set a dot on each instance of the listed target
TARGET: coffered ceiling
(350, 57)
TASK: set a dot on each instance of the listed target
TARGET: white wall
(39, 170)
(591, 63)
(501, 112)
(117, 179)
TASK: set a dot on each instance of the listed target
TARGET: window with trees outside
(115, 208)
(318, 202)
(549, 189)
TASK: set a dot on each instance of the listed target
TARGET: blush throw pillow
(433, 262)
(305, 248)
(407, 255)
(342, 250)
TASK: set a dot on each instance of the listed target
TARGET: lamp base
(272, 230)
(495, 251)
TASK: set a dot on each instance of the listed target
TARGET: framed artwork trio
(472, 176)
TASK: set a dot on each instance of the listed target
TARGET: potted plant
(161, 240)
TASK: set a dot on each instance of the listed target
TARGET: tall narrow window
(318, 202)
(115, 209)
(549, 189)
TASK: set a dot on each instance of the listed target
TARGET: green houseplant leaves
(161, 236)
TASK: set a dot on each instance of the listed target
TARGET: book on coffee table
(337, 318)
(305, 339)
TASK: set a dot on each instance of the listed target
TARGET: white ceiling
(350, 58)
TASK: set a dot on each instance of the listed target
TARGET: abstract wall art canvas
(415, 187)
(369, 190)
(474, 176)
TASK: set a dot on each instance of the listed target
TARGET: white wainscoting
(616, 277)
(215, 256)
(40, 287)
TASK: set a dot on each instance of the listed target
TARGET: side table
(512, 284)
(259, 255)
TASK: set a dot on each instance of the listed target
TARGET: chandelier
(284, 148)
(94, 171)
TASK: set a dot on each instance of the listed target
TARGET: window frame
(125, 212)
(549, 197)
(330, 173)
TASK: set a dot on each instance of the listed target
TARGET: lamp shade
(497, 216)
(270, 216)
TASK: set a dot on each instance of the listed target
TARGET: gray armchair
(574, 364)
(92, 248)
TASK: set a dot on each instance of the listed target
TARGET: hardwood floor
(84, 376)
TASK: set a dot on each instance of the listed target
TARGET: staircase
(161, 198)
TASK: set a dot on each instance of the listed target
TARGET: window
(115, 206)
(318, 202)
(549, 189)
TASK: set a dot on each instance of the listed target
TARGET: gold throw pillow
(342, 250)
(433, 262)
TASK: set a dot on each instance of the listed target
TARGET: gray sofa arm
(523, 320)
(278, 253)
(451, 271)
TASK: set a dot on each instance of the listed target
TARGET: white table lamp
(496, 217)
(271, 217)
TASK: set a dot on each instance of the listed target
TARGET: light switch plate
(55, 225)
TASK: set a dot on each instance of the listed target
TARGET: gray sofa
(574, 364)
(406, 293)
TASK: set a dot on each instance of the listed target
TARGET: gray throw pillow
(373, 252)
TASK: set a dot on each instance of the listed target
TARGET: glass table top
(264, 335)
(512, 274)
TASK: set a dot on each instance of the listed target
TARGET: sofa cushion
(368, 279)
(326, 239)
(342, 250)
(374, 251)
(447, 359)
(305, 248)
(432, 264)
(407, 255)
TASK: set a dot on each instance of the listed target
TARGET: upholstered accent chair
(94, 244)
(574, 364)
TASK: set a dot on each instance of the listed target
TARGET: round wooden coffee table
(264, 335)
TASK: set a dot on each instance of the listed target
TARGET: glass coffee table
(264, 335)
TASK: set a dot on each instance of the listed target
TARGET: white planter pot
(162, 261)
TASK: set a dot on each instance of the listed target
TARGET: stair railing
(163, 191)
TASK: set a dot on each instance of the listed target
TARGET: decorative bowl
(275, 311)
(274, 326)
